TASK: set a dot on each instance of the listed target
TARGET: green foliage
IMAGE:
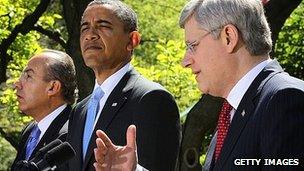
(7, 154)
(11, 120)
(12, 14)
(158, 23)
(169, 73)
(158, 57)
(290, 44)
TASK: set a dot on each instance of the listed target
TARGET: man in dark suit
(45, 91)
(121, 96)
(262, 117)
(261, 122)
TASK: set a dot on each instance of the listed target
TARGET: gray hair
(60, 66)
(246, 15)
(122, 11)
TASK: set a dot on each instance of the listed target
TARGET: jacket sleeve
(283, 126)
(158, 130)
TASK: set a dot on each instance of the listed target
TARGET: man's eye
(83, 29)
(194, 45)
(25, 76)
(105, 26)
(28, 76)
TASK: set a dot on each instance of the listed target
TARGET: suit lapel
(79, 120)
(115, 101)
(239, 121)
(52, 131)
(245, 110)
(208, 161)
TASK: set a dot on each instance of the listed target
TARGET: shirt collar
(46, 121)
(109, 84)
(238, 91)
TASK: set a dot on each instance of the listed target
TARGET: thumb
(131, 136)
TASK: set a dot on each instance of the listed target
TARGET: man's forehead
(28, 69)
(192, 28)
(97, 9)
(35, 63)
(191, 23)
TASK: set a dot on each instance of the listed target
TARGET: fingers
(106, 140)
(100, 151)
(98, 167)
(103, 143)
(131, 137)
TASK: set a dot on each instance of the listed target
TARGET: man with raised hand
(121, 96)
(228, 45)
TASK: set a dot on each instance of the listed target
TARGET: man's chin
(23, 111)
(89, 62)
(203, 88)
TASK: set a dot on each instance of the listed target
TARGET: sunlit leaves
(158, 23)
(290, 44)
(168, 72)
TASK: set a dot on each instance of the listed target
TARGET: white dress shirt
(238, 91)
(46, 121)
(108, 85)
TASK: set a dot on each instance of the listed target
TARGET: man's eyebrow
(190, 42)
(83, 23)
(28, 70)
(104, 22)
(100, 21)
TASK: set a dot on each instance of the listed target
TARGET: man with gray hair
(228, 44)
(121, 96)
(45, 91)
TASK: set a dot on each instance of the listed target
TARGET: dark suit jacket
(143, 103)
(272, 126)
(57, 129)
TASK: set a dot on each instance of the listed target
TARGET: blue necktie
(32, 141)
(90, 118)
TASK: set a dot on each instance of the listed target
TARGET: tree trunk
(201, 121)
(277, 11)
(72, 13)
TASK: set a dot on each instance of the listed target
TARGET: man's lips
(195, 72)
(19, 96)
(92, 47)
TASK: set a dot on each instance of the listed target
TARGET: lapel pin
(114, 104)
(243, 113)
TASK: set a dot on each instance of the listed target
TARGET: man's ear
(230, 38)
(54, 87)
(134, 40)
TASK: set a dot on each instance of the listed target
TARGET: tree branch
(56, 36)
(26, 26)
(277, 11)
(9, 18)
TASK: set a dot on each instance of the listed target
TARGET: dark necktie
(222, 128)
(32, 141)
(90, 118)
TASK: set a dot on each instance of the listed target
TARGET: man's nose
(93, 34)
(17, 84)
(187, 60)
